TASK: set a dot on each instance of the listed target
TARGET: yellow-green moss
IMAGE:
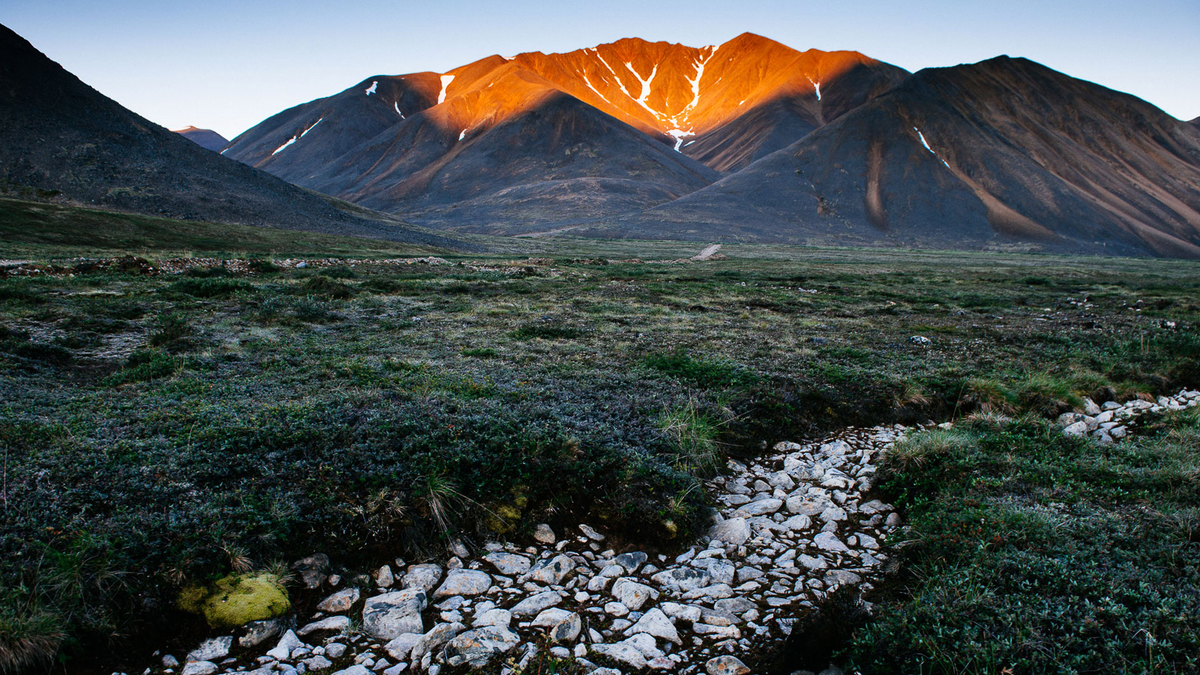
(504, 518)
(236, 600)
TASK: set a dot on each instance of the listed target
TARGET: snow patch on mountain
(371, 89)
(446, 80)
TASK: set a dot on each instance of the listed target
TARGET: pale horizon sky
(227, 65)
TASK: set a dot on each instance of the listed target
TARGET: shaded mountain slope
(205, 138)
(62, 138)
(999, 153)
(606, 121)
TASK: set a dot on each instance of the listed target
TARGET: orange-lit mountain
(1002, 152)
(205, 138)
(509, 144)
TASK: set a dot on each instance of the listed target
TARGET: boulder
(536, 603)
(391, 614)
(475, 648)
(463, 582)
(552, 571)
(422, 577)
(339, 602)
(732, 531)
(725, 665)
(312, 570)
(657, 624)
(633, 594)
(508, 564)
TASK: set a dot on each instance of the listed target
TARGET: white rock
(341, 624)
(616, 609)
(493, 617)
(827, 541)
(733, 531)
(479, 646)
(283, 649)
(463, 582)
(212, 649)
(682, 579)
(199, 668)
(655, 622)
(760, 507)
(423, 577)
(624, 652)
(383, 577)
(508, 563)
(536, 603)
(401, 646)
(727, 665)
(591, 533)
(339, 602)
(632, 594)
(395, 613)
(543, 534)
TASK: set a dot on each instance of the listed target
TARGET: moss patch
(236, 600)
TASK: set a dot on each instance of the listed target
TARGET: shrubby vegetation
(164, 432)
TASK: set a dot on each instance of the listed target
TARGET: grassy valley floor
(162, 430)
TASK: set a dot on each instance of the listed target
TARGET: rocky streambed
(791, 526)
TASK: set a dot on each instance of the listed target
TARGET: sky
(228, 64)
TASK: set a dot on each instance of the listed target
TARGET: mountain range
(752, 141)
(747, 141)
(205, 138)
(63, 140)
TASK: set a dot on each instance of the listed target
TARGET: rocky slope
(61, 138)
(1000, 153)
(205, 138)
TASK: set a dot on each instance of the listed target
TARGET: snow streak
(396, 104)
(293, 139)
(926, 144)
(371, 89)
(446, 80)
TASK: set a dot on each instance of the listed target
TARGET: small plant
(541, 331)
(681, 365)
(693, 436)
(28, 641)
(144, 365)
(481, 353)
(210, 287)
(327, 287)
(171, 331)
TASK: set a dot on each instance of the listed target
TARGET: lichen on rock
(237, 599)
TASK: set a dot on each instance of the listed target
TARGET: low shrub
(217, 287)
(707, 373)
(545, 331)
(144, 365)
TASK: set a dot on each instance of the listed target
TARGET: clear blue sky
(228, 64)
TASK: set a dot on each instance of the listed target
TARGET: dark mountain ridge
(1005, 152)
(63, 139)
(205, 138)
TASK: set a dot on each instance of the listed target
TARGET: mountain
(61, 138)
(1195, 122)
(1005, 152)
(205, 138)
(509, 145)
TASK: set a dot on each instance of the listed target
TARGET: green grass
(1033, 552)
(32, 229)
(152, 424)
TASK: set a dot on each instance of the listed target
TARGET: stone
(283, 649)
(493, 617)
(1090, 407)
(827, 541)
(616, 609)
(655, 622)
(591, 533)
(479, 646)
(334, 650)
(383, 577)
(733, 531)
(544, 535)
(568, 629)
(1076, 429)
(536, 603)
(632, 594)
(463, 582)
(552, 571)
(339, 624)
(318, 662)
(423, 577)
(835, 578)
(199, 668)
(548, 618)
(716, 591)
(212, 649)
(624, 652)
(735, 606)
(169, 661)
(401, 646)
(796, 523)
(508, 563)
(720, 571)
(432, 641)
(339, 602)
(258, 632)
(357, 669)
(682, 579)
(833, 513)
(760, 507)
(391, 614)
(312, 570)
(727, 665)
(631, 561)
(812, 563)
